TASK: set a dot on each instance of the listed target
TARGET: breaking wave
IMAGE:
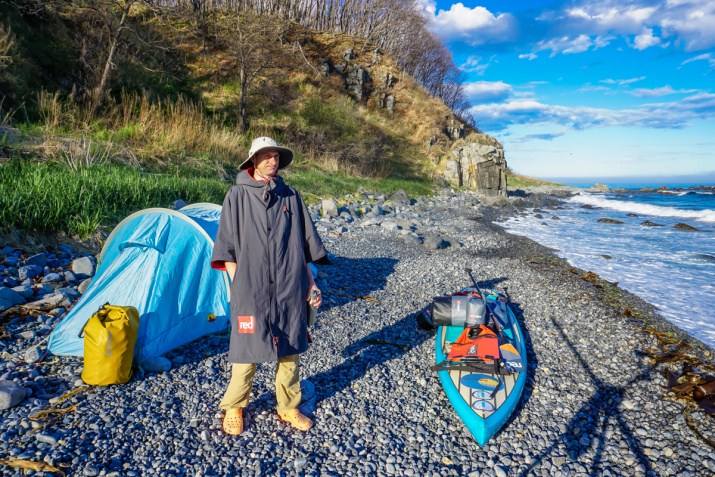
(706, 215)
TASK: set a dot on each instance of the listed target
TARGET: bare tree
(256, 45)
(6, 43)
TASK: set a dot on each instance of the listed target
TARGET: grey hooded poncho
(266, 230)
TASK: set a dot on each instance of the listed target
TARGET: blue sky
(601, 89)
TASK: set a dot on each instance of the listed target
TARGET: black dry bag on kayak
(460, 310)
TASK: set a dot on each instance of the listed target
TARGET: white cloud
(476, 26)
(565, 45)
(672, 115)
(579, 25)
(692, 23)
(662, 91)
(589, 88)
(705, 56)
(646, 40)
(528, 56)
(487, 91)
(473, 65)
(621, 82)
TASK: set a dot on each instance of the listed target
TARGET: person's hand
(317, 301)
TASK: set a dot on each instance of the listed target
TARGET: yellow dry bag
(109, 338)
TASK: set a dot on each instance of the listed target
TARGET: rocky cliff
(478, 162)
(476, 159)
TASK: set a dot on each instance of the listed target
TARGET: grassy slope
(181, 120)
(516, 181)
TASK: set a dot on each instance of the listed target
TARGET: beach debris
(594, 279)
(373, 341)
(30, 465)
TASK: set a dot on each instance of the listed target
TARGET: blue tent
(158, 261)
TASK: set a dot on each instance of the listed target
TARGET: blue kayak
(484, 401)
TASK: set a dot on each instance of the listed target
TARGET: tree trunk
(101, 89)
(242, 102)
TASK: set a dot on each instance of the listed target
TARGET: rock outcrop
(478, 162)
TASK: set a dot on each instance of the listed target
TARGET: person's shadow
(594, 416)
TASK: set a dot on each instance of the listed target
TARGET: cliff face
(478, 162)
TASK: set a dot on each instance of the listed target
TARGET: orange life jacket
(485, 346)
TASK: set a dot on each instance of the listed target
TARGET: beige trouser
(287, 384)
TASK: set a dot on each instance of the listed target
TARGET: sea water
(672, 269)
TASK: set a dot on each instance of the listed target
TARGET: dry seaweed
(28, 464)
(693, 385)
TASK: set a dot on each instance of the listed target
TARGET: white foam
(665, 268)
(706, 215)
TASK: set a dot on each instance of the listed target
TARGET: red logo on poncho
(246, 324)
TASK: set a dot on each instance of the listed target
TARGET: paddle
(510, 355)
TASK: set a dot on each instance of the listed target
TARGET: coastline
(593, 401)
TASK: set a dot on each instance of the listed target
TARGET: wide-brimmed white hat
(261, 144)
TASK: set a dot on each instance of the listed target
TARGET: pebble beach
(594, 403)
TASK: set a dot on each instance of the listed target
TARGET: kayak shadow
(593, 418)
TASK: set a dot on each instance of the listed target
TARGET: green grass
(314, 183)
(48, 197)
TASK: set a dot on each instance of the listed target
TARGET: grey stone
(24, 291)
(411, 239)
(300, 462)
(330, 207)
(27, 335)
(29, 271)
(11, 394)
(67, 248)
(399, 198)
(10, 298)
(47, 439)
(158, 364)
(478, 163)
(47, 303)
(682, 226)
(435, 243)
(83, 267)
(70, 276)
(390, 226)
(69, 293)
(52, 277)
(177, 204)
(390, 103)
(40, 260)
(91, 470)
(11, 261)
(84, 285)
(33, 355)
(609, 221)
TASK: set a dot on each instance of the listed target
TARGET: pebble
(11, 394)
(46, 438)
(83, 267)
(377, 408)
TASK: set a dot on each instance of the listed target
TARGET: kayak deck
(482, 413)
(508, 382)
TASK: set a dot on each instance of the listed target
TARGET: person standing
(266, 241)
